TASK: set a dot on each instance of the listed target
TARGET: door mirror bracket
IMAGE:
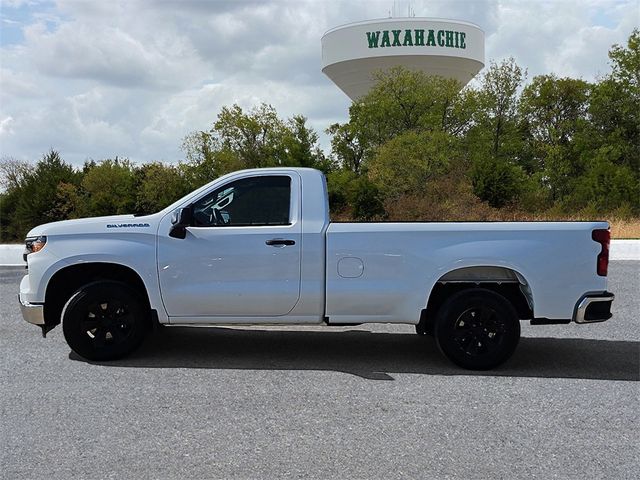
(180, 220)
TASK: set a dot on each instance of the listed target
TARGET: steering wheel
(201, 219)
(217, 217)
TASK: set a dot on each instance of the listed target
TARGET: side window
(250, 201)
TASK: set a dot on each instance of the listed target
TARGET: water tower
(352, 53)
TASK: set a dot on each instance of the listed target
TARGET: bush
(404, 164)
(353, 196)
(497, 182)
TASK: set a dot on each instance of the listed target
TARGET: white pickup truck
(256, 247)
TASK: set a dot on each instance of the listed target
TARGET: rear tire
(477, 329)
(105, 320)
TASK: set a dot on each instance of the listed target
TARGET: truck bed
(372, 269)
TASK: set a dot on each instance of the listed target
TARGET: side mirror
(180, 220)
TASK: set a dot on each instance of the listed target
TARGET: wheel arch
(505, 281)
(68, 280)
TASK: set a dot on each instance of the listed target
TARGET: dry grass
(625, 228)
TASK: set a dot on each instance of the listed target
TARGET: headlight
(34, 244)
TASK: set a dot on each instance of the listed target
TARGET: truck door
(240, 256)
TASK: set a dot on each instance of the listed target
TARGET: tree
(206, 161)
(400, 136)
(37, 198)
(605, 186)
(498, 107)
(405, 164)
(554, 107)
(353, 196)
(301, 146)
(553, 112)
(254, 139)
(404, 100)
(238, 140)
(494, 142)
(109, 188)
(625, 62)
(497, 181)
(347, 146)
(401, 101)
(12, 173)
(198, 147)
(159, 186)
(615, 104)
(610, 141)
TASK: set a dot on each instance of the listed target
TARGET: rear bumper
(32, 312)
(593, 307)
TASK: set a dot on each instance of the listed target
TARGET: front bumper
(593, 307)
(32, 312)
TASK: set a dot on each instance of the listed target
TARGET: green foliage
(9, 228)
(606, 186)
(406, 100)
(159, 186)
(109, 188)
(406, 163)
(403, 133)
(553, 108)
(353, 196)
(254, 139)
(68, 201)
(448, 197)
(216, 163)
(625, 62)
(366, 200)
(301, 146)
(615, 105)
(36, 200)
(13, 174)
(496, 117)
(553, 114)
(609, 144)
(347, 146)
(494, 142)
(499, 183)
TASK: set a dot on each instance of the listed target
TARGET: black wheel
(104, 321)
(477, 329)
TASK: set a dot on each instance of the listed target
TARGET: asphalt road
(358, 402)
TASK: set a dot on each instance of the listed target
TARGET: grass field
(625, 229)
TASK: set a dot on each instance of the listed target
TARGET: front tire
(105, 320)
(477, 329)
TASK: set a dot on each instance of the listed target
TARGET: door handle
(280, 242)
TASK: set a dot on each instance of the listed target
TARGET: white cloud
(111, 55)
(17, 3)
(17, 85)
(5, 126)
(560, 36)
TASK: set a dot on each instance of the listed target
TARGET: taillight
(603, 237)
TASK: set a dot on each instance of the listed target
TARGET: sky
(95, 79)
